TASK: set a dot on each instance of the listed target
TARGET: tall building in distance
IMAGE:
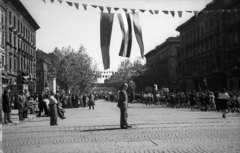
(210, 48)
(19, 42)
(164, 60)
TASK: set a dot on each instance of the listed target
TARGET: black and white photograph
(120, 76)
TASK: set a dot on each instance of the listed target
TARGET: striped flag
(138, 32)
(126, 45)
(106, 24)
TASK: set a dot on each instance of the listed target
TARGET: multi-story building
(210, 50)
(164, 59)
(2, 46)
(20, 37)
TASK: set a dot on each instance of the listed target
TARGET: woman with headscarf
(53, 109)
(223, 99)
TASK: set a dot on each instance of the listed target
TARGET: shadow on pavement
(105, 129)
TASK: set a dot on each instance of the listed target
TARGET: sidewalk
(15, 119)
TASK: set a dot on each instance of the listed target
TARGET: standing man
(123, 104)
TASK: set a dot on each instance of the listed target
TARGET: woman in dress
(53, 109)
(223, 99)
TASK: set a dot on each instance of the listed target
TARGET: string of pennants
(109, 9)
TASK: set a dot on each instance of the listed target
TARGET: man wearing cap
(123, 104)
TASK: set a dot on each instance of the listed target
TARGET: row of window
(21, 28)
(19, 63)
(211, 43)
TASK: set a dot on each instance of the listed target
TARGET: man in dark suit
(123, 105)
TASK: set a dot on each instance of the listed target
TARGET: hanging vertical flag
(109, 9)
(106, 23)
(173, 13)
(138, 32)
(101, 8)
(142, 11)
(129, 47)
(156, 11)
(151, 11)
(70, 3)
(180, 14)
(123, 48)
(166, 12)
(84, 6)
(76, 5)
(116, 8)
(196, 13)
(125, 10)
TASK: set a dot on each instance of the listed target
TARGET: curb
(19, 122)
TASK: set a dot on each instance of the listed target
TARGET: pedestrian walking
(223, 99)
(53, 109)
(212, 101)
(91, 101)
(192, 100)
(42, 105)
(123, 105)
(6, 106)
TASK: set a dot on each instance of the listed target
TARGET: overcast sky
(63, 26)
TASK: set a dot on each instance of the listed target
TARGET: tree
(73, 69)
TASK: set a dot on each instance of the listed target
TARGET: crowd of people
(49, 103)
(203, 100)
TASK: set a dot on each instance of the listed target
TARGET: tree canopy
(74, 70)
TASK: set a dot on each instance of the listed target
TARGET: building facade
(210, 48)
(20, 45)
(164, 58)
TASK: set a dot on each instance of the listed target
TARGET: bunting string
(128, 10)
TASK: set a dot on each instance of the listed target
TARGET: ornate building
(164, 60)
(210, 48)
(20, 54)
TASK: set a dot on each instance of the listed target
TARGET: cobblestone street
(156, 129)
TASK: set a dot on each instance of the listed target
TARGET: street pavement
(156, 129)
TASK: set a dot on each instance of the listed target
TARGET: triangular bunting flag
(76, 5)
(151, 11)
(189, 11)
(116, 8)
(70, 3)
(173, 13)
(125, 10)
(109, 9)
(52, 1)
(142, 11)
(156, 11)
(44, 1)
(84, 6)
(94, 6)
(101, 8)
(138, 32)
(133, 10)
(196, 13)
(60, 1)
(166, 12)
(180, 14)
